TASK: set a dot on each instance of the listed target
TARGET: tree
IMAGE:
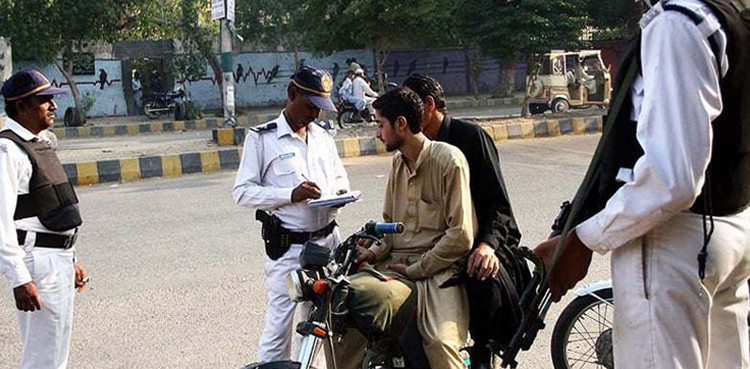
(617, 20)
(384, 25)
(272, 23)
(54, 31)
(511, 31)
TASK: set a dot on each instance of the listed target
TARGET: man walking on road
(285, 163)
(39, 220)
(668, 192)
(496, 276)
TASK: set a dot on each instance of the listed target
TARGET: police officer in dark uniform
(39, 219)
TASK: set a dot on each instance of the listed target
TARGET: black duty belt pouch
(273, 236)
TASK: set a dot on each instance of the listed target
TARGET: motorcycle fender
(593, 287)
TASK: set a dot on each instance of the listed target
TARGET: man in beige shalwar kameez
(428, 190)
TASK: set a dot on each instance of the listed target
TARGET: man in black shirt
(496, 277)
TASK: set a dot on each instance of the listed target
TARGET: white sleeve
(681, 98)
(248, 189)
(12, 265)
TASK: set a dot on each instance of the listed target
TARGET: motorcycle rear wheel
(274, 365)
(347, 116)
(584, 324)
(150, 111)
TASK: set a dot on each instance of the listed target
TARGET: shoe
(481, 357)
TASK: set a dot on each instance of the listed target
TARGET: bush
(193, 111)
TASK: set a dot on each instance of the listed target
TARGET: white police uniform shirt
(45, 333)
(660, 186)
(276, 160)
(15, 175)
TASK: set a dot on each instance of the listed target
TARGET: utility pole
(223, 10)
(227, 57)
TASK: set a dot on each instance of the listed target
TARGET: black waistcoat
(51, 197)
(728, 173)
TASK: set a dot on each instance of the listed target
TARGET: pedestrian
(137, 89)
(496, 275)
(668, 192)
(286, 162)
(39, 220)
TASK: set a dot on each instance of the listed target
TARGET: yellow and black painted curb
(213, 123)
(133, 169)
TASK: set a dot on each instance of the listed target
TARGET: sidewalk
(136, 125)
(129, 158)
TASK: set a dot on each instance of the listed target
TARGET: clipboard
(335, 200)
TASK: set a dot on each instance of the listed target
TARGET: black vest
(728, 173)
(51, 197)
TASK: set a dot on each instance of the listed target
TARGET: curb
(212, 123)
(175, 165)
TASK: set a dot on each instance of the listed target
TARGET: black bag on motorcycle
(495, 301)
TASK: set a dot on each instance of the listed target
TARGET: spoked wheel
(346, 116)
(150, 110)
(582, 337)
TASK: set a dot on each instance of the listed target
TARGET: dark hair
(424, 86)
(401, 102)
(11, 109)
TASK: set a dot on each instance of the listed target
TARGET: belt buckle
(70, 241)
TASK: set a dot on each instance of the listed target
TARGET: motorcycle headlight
(299, 285)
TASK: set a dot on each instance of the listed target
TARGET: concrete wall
(105, 89)
(6, 67)
(261, 78)
(450, 67)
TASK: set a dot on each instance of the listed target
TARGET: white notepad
(335, 200)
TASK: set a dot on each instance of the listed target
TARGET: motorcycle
(582, 337)
(348, 114)
(323, 281)
(157, 103)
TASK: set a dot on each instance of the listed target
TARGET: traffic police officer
(286, 162)
(668, 192)
(39, 219)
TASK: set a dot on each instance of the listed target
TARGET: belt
(302, 237)
(49, 240)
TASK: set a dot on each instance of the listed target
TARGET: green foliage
(615, 20)
(512, 30)
(384, 25)
(193, 111)
(87, 103)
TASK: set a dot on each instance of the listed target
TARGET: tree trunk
(474, 70)
(506, 79)
(67, 72)
(380, 57)
(296, 57)
(215, 64)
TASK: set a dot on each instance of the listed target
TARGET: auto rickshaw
(561, 80)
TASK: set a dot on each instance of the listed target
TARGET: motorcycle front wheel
(582, 337)
(150, 110)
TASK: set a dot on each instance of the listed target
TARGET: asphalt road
(176, 266)
(162, 143)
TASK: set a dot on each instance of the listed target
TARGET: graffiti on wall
(451, 67)
(261, 78)
(104, 87)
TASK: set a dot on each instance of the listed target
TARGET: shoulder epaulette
(263, 128)
(328, 125)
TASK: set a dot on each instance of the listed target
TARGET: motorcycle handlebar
(380, 228)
